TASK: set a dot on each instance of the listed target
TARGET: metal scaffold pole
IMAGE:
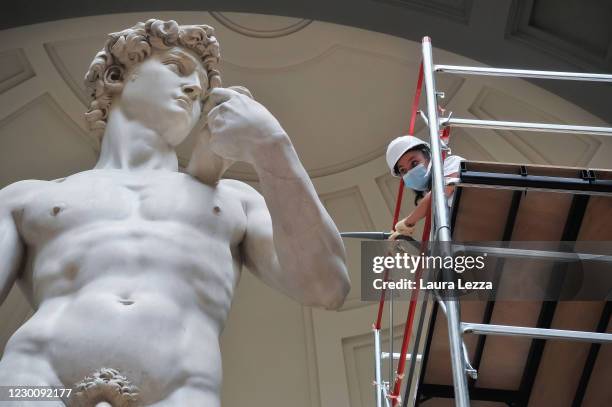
(526, 126)
(378, 376)
(442, 229)
(523, 73)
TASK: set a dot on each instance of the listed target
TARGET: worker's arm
(291, 241)
(406, 225)
(11, 247)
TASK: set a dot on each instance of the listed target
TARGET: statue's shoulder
(245, 191)
(19, 192)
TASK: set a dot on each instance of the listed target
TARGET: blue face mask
(417, 178)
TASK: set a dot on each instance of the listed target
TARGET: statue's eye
(176, 66)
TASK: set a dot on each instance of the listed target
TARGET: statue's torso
(131, 271)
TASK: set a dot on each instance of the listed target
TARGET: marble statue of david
(131, 266)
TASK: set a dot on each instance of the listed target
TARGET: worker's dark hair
(427, 154)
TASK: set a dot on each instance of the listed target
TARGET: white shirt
(452, 164)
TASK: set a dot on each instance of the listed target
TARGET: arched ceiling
(539, 34)
(343, 88)
(342, 93)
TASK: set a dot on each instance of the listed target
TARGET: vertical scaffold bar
(391, 334)
(442, 230)
(378, 385)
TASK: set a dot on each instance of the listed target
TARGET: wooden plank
(542, 215)
(534, 169)
(563, 362)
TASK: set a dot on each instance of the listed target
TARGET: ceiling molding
(49, 102)
(458, 11)
(227, 21)
(350, 196)
(349, 212)
(522, 28)
(244, 172)
(526, 143)
(58, 63)
(359, 377)
(464, 144)
(450, 83)
(311, 355)
(15, 69)
(327, 53)
(65, 147)
(478, 40)
(388, 186)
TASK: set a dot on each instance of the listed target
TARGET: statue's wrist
(272, 145)
(274, 154)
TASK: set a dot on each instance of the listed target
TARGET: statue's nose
(193, 91)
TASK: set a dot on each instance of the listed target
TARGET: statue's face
(164, 92)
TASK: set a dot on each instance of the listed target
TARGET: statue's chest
(86, 201)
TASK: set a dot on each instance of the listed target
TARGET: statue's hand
(239, 125)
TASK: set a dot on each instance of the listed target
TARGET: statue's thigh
(20, 369)
(189, 396)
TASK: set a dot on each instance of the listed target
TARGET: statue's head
(158, 72)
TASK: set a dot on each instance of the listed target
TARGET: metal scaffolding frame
(442, 229)
(441, 233)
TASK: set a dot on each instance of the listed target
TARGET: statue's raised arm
(291, 241)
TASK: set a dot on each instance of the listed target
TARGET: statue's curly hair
(106, 74)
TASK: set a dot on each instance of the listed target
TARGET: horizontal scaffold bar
(541, 333)
(523, 73)
(505, 252)
(397, 355)
(525, 126)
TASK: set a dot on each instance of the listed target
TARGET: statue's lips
(185, 102)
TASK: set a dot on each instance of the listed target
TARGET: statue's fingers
(216, 111)
(217, 121)
(200, 125)
(219, 96)
(242, 90)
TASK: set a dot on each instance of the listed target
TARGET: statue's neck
(132, 145)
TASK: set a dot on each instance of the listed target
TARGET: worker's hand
(239, 126)
(402, 229)
(394, 236)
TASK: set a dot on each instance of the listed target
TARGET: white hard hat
(398, 147)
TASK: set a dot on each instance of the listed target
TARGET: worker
(410, 158)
